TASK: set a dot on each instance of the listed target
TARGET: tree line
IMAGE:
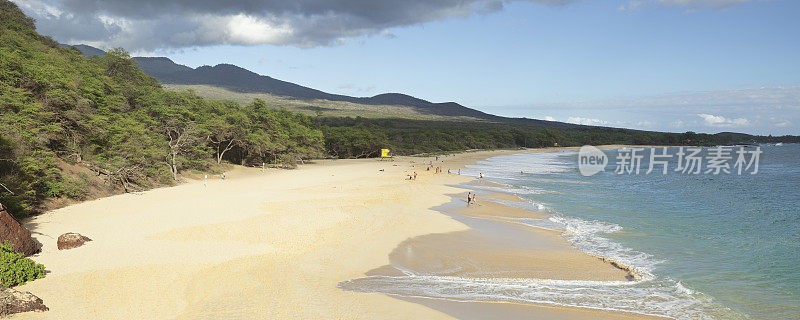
(67, 120)
(70, 121)
(363, 137)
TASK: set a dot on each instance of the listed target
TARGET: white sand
(259, 245)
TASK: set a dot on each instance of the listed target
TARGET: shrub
(16, 269)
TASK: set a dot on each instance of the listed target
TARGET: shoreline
(259, 244)
(542, 256)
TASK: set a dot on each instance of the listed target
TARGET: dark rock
(71, 240)
(12, 231)
(13, 301)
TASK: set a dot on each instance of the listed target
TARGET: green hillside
(312, 107)
(77, 128)
(238, 79)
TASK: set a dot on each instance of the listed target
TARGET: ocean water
(707, 246)
(729, 244)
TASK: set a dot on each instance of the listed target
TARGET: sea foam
(651, 294)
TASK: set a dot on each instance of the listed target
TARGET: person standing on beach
(415, 175)
(469, 198)
(473, 199)
(205, 180)
(459, 172)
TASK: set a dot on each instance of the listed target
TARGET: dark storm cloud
(153, 24)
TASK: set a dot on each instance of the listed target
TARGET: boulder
(71, 240)
(12, 231)
(13, 301)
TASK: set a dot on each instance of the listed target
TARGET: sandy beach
(275, 244)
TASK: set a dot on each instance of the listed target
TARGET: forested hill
(75, 128)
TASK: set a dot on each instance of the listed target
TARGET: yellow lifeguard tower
(386, 154)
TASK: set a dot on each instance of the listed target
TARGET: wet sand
(495, 249)
(469, 310)
(488, 209)
(496, 246)
(275, 244)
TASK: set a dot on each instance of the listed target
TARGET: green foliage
(15, 269)
(105, 114)
(355, 142)
(355, 137)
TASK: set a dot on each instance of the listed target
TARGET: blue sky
(674, 65)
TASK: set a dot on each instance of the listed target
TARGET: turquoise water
(711, 246)
(706, 246)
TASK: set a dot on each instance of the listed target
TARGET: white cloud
(588, 121)
(740, 99)
(720, 121)
(549, 118)
(247, 29)
(157, 24)
(738, 122)
(632, 6)
(780, 123)
(711, 119)
(766, 110)
(41, 8)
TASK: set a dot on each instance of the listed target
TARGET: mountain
(242, 80)
(85, 50)
(239, 79)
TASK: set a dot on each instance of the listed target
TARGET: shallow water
(731, 238)
(706, 246)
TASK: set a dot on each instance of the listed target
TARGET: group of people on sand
(436, 170)
(439, 170)
(471, 199)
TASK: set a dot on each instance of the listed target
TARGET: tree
(226, 131)
(181, 137)
(354, 142)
